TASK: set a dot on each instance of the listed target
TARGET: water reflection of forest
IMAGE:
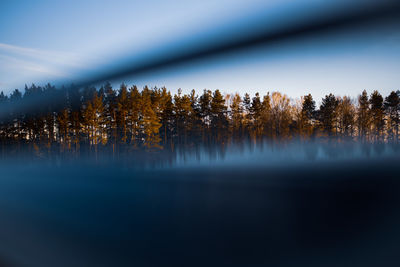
(265, 153)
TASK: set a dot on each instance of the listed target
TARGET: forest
(116, 121)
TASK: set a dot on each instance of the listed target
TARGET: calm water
(286, 205)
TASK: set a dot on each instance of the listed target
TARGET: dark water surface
(318, 212)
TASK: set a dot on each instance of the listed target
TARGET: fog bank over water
(264, 154)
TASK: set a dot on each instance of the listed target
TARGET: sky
(50, 41)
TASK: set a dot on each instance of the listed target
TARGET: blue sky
(45, 40)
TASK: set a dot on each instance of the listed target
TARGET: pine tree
(150, 123)
(63, 123)
(183, 112)
(256, 115)
(205, 113)
(110, 111)
(75, 101)
(377, 113)
(307, 116)
(16, 127)
(219, 120)
(328, 113)
(4, 112)
(122, 114)
(195, 119)
(266, 115)
(166, 115)
(392, 108)
(247, 115)
(134, 115)
(363, 116)
(236, 117)
(99, 120)
(89, 115)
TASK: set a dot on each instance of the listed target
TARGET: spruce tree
(256, 115)
(392, 108)
(236, 117)
(122, 113)
(363, 116)
(377, 113)
(150, 124)
(307, 116)
(327, 114)
(266, 115)
(205, 113)
(218, 117)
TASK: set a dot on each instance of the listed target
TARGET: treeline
(126, 119)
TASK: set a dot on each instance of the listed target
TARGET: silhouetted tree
(236, 117)
(307, 116)
(377, 115)
(122, 114)
(363, 116)
(205, 113)
(328, 113)
(256, 112)
(219, 122)
(183, 115)
(110, 115)
(150, 124)
(266, 116)
(392, 107)
(134, 115)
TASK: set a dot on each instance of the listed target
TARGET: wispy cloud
(21, 65)
(16, 64)
(55, 57)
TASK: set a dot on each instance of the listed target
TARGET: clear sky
(47, 40)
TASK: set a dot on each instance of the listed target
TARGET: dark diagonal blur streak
(386, 10)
